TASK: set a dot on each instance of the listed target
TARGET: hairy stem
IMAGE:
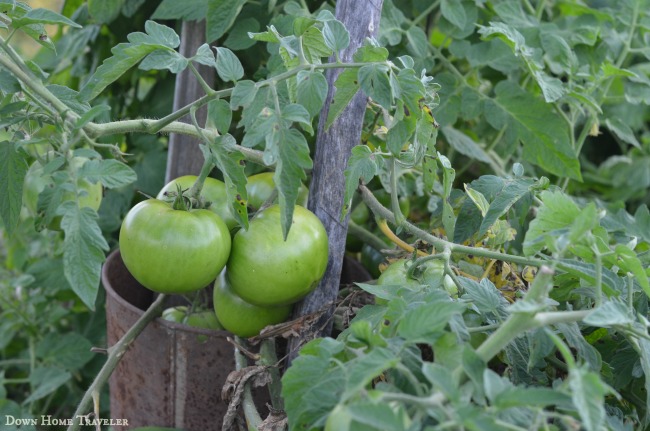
(116, 353)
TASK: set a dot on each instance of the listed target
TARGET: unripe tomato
(266, 270)
(213, 191)
(173, 251)
(205, 319)
(260, 187)
(432, 273)
(90, 195)
(240, 317)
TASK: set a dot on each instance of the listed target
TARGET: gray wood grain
(184, 156)
(361, 18)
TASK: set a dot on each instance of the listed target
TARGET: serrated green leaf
(231, 164)
(544, 135)
(69, 97)
(428, 320)
(294, 113)
(43, 16)
(362, 370)
(125, 56)
(46, 380)
(347, 87)
(610, 313)
(484, 296)
(610, 70)
(313, 385)
(418, 42)
(105, 11)
(263, 129)
(111, 173)
(220, 16)
(622, 130)
(164, 59)
(313, 46)
(311, 91)
(292, 160)
(373, 80)
(362, 165)
(13, 167)
(557, 211)
(336, 35)
(612, 283)
(238, 38)
(370, 54)
(588, 394)
(9, 84)
(83, 251)
(479, 200)
(219, 115)
(399, 135)
(512, 191)
(162, 35)
(464, 144)
(377, 416)
(630, 262)
(228, 65)
(187, 10)
(70, 351)
(454, 12)
(243, 94)
(91, 114)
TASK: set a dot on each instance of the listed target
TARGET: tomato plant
(37, 180)
(173, 251)
(260, 187)
(213, 191)
(267, 270)
(241, 317)
(205, 319)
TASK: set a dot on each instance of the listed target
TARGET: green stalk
(116, 353)
(438, 243)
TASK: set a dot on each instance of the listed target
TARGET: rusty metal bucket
(172, 374)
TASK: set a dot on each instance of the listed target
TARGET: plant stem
(268, 356)
(204, 85)
(95, 130)
(116, 353)
(253, 418)
(440, 244)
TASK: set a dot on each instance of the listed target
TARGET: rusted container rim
(111, 260)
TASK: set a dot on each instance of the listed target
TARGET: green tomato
(240, 317)
(266, 270)
(90, 195)
(205, 319)
(213, 191)
(173, 251)
(371, 258)
(260, 187)
(431, 273)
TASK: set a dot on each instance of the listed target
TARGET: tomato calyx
(181, 202)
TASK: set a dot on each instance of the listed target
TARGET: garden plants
(498, 193)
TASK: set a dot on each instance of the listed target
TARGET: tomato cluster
(259, 274)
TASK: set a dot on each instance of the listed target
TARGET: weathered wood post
(184, 156)
(333, 147)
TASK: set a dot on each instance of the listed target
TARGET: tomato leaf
(220, 16)
(46, 380)
(13, 167)
(126, 55)
(243, 94)
(557, 211)
(374, 82)
(219, 115)
(187, 10)
(588, 394)
(544, 135)
(228, 65)
(292, 160)
(465, 145)
(311, 91)
(362, 165)
(83, 251)
(232, 163)
(105, 11)
(336, 35)
(346, 87)
(111, 173)
(43, 16)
